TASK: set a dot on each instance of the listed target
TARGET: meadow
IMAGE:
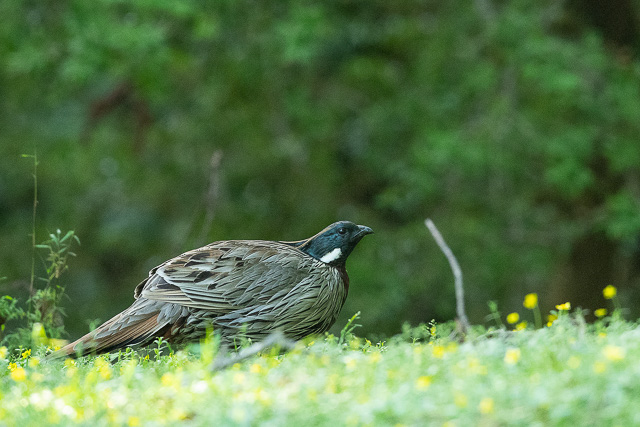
(567, 372)
(154, 127)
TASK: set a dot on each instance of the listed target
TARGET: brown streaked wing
(229, 275)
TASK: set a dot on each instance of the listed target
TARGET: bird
(245, 289)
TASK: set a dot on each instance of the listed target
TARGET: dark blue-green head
(334, 244)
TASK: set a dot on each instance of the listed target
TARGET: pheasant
(238, 288)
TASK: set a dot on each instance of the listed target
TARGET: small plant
(161, 345)
(347, 332)
(531, 303)
(423, 333)
(44, 305)
(46, 302)
(495, 314)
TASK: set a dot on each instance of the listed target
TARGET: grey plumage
(246, 288)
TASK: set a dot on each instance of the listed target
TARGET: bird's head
(334, 244)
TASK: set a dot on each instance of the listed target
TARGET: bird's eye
(342, 230)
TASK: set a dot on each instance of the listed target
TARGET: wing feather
(227, 276)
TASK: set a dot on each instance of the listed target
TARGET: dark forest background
(163, 125)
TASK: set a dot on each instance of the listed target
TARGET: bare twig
(457, 274)
(33, 223)
(276, 339)
(211, 198)
(210, 201)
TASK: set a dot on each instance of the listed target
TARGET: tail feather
(137, 325)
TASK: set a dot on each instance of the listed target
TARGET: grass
(569, 373)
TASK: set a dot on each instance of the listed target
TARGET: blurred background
(163, 125)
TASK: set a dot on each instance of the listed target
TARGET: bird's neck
(329, 255)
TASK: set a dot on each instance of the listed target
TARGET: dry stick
(275, 339)
(33, 225)
(210, 205)
(212, 194)
(457, 274)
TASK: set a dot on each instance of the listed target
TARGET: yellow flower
(104, 368)
(614, 353)
(57, 344)
(375, 357)
(438, 351)
(238, 378)
(530, 301)
(350, 363)
(512, 356)
(564, 307)
(423, 382)
(26, 353)
(33, 362)
(574, 362)
(600, 312)
(522, 325)
(513, 318)
(551, 318)
(476, 367)
(3, 352)
(19, 374)
(610, 292)
(486, 405)
(169, 380)
(133, 421)
(12, 366)
(71, 371)
(460, 400)
(599, 367)
(255, 368)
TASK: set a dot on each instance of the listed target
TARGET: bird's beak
(364, 230)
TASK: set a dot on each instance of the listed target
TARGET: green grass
(569, 373)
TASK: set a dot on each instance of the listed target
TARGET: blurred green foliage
(517, 137)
